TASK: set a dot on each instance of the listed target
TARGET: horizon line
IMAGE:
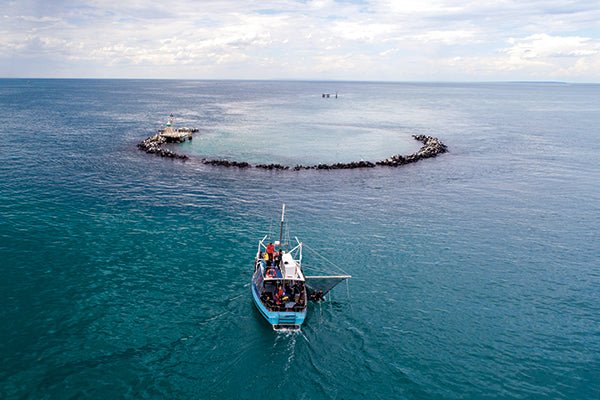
(306, 80)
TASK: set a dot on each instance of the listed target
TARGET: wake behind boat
(279, 288)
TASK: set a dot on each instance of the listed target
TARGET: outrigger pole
(281, 226)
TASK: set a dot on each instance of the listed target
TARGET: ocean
(475, 274)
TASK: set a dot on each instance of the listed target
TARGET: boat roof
(290, 269)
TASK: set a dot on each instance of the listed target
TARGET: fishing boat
(280, 289)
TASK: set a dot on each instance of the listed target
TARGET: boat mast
(281, 226)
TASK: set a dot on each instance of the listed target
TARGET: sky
(381, 40)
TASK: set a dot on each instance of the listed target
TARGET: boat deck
(265, 268)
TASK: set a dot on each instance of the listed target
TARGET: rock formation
(432, 146)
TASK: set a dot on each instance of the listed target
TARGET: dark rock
(226, 163)
(432, 147)
(272, 166)
(152, 145)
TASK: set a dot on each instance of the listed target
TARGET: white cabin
(290, 268)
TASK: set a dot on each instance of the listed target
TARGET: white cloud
(365, 31)
(423, 7)
(539, 56)
(541, 46)
(449, 37)
(377, 39)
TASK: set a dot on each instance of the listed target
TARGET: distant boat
(279, 287)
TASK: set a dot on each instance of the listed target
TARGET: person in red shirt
(270, 251)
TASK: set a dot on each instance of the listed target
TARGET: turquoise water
(293, 124)
(475, 274)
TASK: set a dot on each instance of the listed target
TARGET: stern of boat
(286, 328)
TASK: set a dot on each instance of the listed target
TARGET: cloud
(449, 37)
(365, 31)
(377, 39)
(543, 46)
(538, 56)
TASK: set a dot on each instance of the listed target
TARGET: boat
(280, 289)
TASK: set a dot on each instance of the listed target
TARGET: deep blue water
(475, 274)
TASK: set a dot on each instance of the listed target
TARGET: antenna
(281, 226)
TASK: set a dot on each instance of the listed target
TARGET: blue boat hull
(277, 318)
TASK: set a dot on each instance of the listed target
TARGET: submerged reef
(432, 146)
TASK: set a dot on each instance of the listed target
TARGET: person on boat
(276, 300)
(295, 289)
(266, 257)
(286, 293)
(264, 297)
(270, 250)
(277, 258)
(270, 303)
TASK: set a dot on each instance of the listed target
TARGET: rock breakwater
(432, 147)
(152, 145)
